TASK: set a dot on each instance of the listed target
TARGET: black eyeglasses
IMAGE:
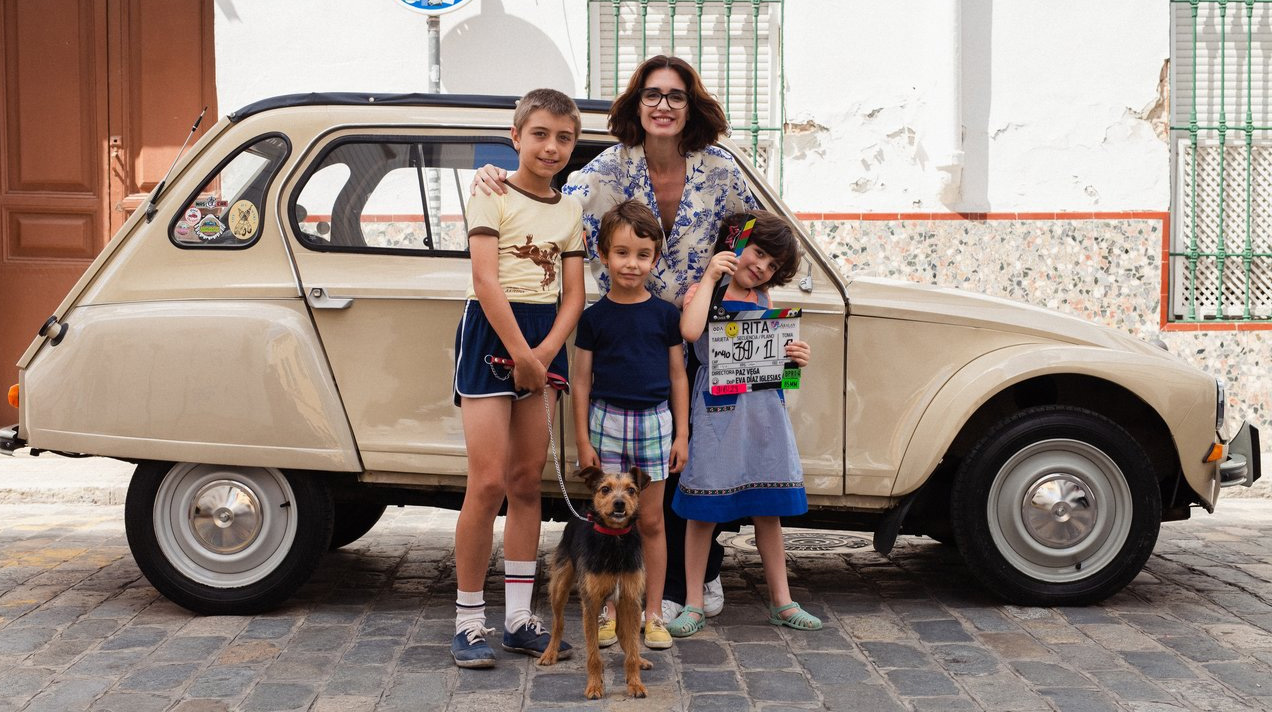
(676, 99)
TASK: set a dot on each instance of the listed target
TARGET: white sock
(470, 606)
(518, 592)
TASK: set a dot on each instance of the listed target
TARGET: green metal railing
(653, 43)
(1191, 251)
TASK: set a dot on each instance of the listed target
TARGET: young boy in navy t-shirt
(631, 393)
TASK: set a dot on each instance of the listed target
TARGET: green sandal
(799, 620)
(685, 625)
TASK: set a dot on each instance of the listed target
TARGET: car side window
(228, 210)
(392, 194)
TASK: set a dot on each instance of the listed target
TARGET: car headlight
(1221, 403)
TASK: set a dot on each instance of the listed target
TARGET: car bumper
(1242, 466)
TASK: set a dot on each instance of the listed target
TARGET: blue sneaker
(470, 649)
(532, 639)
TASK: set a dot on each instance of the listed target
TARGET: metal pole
(618, 89)
(755, 86)
(644, 30)
(1222, 249)
(435, 87)
(1248, 253)
(1192, 142)
(728, 59)
(671, 11)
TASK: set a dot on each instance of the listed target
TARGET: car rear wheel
(353, 519)
(226, 540)
(1056, 506)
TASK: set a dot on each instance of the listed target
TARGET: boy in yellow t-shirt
(526, 247)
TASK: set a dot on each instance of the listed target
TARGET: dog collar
(597, 526)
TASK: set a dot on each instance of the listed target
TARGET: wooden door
(162, 75)
(98, 97)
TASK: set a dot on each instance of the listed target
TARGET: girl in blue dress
(742, 456)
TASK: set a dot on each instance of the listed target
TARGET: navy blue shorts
(476, 344)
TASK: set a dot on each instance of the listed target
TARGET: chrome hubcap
(225, 516)
(224, 526)
(1058, 511)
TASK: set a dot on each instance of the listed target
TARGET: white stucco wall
(1053, 94)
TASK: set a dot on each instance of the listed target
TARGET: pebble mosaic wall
(1105, 271)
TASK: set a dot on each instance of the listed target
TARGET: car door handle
(318, 299)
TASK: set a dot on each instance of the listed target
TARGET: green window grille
(734, 44)
(1221, 246)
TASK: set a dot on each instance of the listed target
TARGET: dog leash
(559, 383)
(556, 461)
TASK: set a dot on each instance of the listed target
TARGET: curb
(53, 479)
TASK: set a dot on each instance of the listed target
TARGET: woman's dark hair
(705, 121)
(771, 234)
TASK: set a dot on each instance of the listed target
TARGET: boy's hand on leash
(679, 454)
(721, 263)
(543, 354)
(798, 351)
(528, 374)
(490, 179)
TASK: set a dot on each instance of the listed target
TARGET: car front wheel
(1056, 506)
(226, 540)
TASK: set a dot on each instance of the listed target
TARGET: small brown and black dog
(603, 554)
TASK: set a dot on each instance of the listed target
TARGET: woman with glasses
(667, 125)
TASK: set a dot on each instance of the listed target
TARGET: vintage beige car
(270, 340)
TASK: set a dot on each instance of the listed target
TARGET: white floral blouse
(714, 189)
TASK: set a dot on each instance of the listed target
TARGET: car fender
(232, 382)
(1165, 384)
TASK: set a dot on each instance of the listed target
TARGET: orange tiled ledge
(1044, 215)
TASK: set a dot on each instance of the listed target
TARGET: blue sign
(432, 7)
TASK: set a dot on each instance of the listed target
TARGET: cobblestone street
(81, 629)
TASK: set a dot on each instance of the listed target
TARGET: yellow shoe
(607, 631)
(656, 635)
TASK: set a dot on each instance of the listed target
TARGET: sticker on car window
(210, 228)
(244, 217)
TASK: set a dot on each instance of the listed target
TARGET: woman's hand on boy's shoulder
(799, 352)
(489, 178)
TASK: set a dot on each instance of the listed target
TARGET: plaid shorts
(624, 438)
